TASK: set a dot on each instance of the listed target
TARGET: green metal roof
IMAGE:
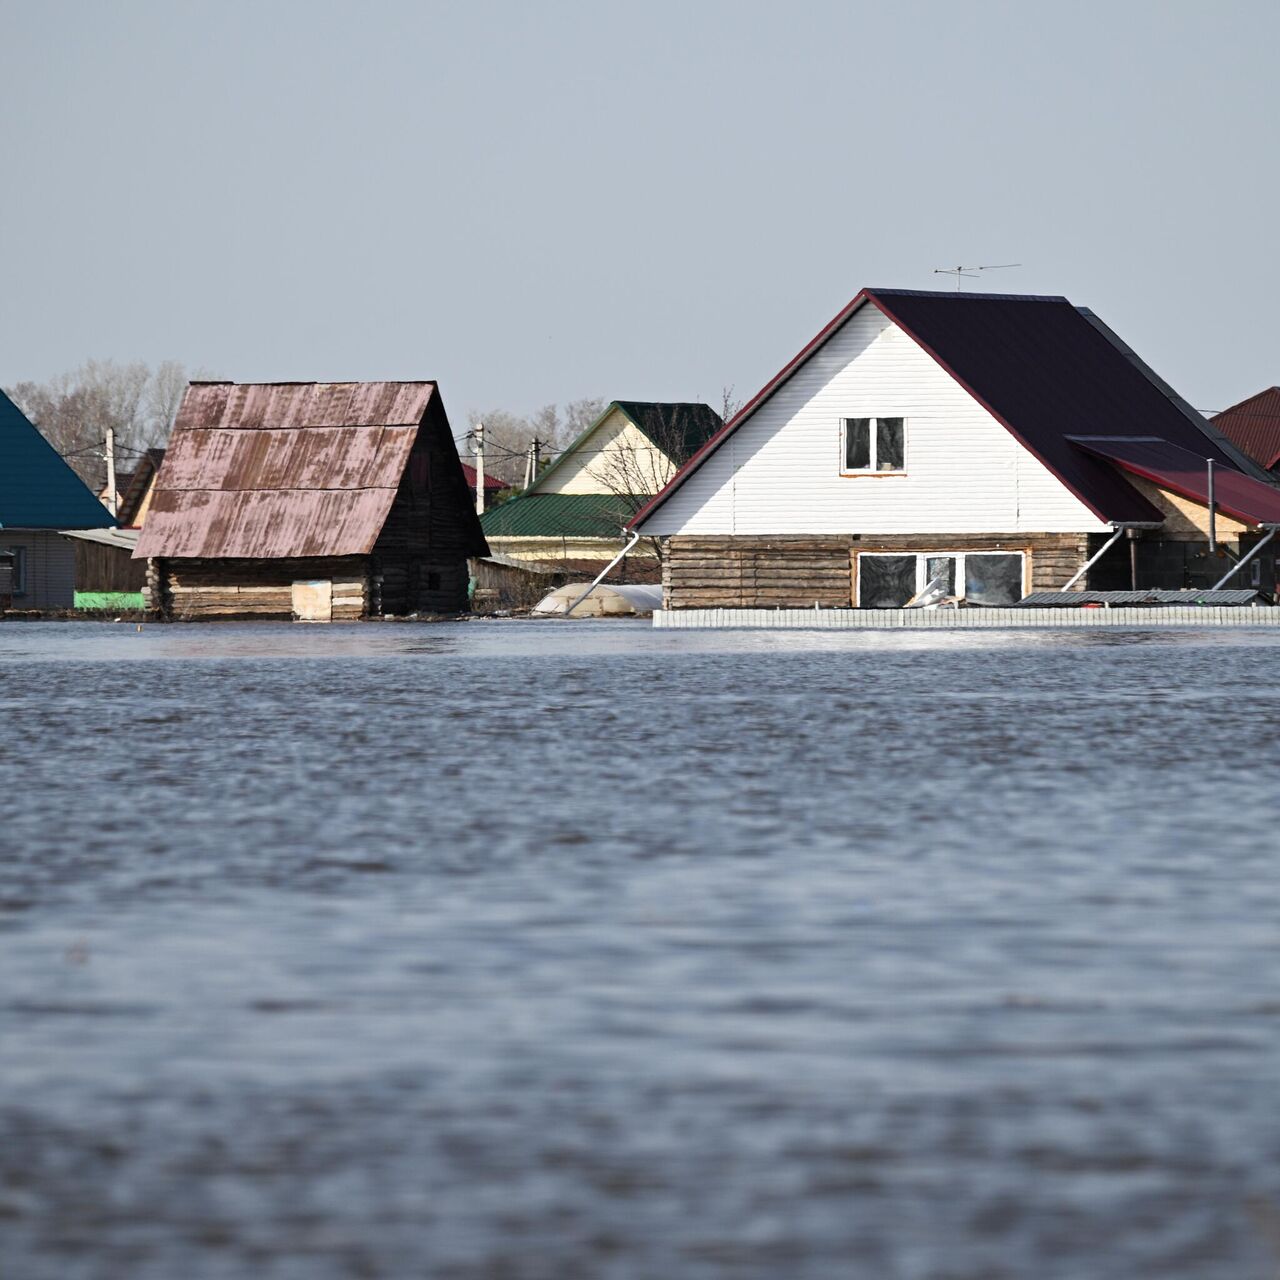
(560, 515)
(37, 488)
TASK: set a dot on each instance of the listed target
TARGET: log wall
(419, 562)
(187, 590)
(755, 572)
(797, 571)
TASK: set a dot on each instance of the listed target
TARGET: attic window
(873, 446)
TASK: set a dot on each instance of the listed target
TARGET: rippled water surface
(517, 950)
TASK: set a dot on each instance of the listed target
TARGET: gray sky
(540, 201)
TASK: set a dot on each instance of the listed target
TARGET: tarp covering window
(993, 579)
(886, 582)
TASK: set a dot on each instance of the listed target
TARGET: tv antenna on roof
(964, 272)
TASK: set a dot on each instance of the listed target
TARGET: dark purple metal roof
(1041, 368)
(1186, 473)
(277, 470)
(1254, 426)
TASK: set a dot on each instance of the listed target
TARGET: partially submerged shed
(318, 500)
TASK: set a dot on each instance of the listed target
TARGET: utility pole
(532, 461)
(113, 500)
(477, 436)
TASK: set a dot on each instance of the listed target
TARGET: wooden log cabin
(990, 444)
(322, 501)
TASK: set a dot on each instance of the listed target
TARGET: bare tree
(508, 435)
(578, 416)
(633, 470)
(73, 410)
(730, 406)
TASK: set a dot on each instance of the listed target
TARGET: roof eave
(778, 380)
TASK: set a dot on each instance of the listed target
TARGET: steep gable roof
(1254, 426)
(678, 428)
(290, 469)
(135, 485)
(38, 490)
(1043, 369)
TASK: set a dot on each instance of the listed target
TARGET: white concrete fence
(968, 619)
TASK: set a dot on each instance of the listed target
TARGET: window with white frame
(889, 580)
(873, 446)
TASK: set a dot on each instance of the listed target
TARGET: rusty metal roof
(1254, 425)
(275, 470)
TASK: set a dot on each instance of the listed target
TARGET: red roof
(1043, 369)
(1254, 425)
(1183, 472)
(491, 482)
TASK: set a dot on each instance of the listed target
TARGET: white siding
(780, 471)
(616, 451)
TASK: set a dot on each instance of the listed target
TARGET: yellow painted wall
(614, 451)
(145, 505)
(602, 549)
(1183, 517)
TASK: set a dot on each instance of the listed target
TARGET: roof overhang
(1180, 471)
(124, 539)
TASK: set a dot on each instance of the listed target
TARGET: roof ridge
(967, 295)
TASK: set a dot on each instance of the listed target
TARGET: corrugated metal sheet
(558, 515)
(213, 524)
(275, 405)
(280, 470)
(1254, 425)
(1183, 472)
(125, 539)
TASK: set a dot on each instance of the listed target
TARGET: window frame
(19, 570)
(922, 562)
(874, 420)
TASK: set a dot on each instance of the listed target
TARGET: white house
(990, 443)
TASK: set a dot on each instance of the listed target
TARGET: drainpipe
(1213, 514)
(1088, 564)
(1244, 560)
(635, 537)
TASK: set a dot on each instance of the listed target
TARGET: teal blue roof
(38, 490)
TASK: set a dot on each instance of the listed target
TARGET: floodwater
(515, 950)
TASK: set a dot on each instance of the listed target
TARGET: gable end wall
(779, 473)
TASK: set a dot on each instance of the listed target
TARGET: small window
(433, 580)
(874, 445)
(19, 570)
